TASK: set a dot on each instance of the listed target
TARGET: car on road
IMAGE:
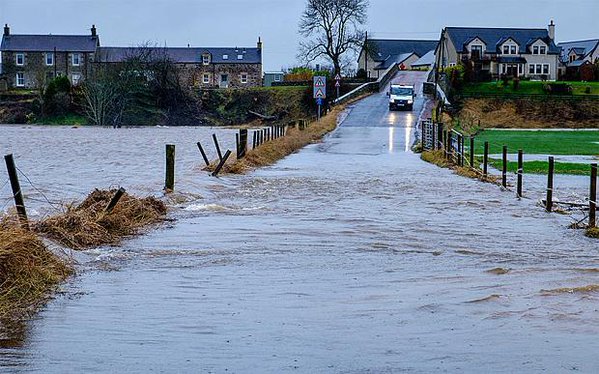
(401, 96)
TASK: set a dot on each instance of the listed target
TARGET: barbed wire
(46, 200)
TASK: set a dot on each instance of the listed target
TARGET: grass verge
(87, 225)
(528, 88)
(28, 270)
(541, 167)
(438, 158)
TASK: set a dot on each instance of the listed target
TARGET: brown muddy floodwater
(351, 256)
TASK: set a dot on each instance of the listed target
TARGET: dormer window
(539, 50)
(542, 50)
(225, 57)
(206, 59)
(510, 49)
(240, 57)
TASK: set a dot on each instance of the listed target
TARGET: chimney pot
(6, 30)
(551, 30)
(259, 43)
(94, 31)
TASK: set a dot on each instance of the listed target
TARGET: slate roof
(493, 37)
(582, 47)
(382, 49)
(427, 60)
(47, 43)
(183, 55)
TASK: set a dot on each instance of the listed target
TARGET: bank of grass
(438, 158)
(580, 143)
(28, 270)
(65, 120)
(528, 88)
(87, 225)
(542, 167)
(593, 233)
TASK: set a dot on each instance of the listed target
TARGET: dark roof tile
(48, 43)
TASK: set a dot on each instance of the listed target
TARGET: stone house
(378, 55)
(496, 52)
(29, 61)
(232, 67)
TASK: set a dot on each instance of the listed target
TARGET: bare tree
(332, 29)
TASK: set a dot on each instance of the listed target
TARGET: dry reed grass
(28, 270)
(437, 157)
(593, 232)
(87, 225)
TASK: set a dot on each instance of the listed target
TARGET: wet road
(352, 256)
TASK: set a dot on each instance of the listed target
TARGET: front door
(224, 81)
(512, 70)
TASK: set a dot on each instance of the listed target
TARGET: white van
(401, 97)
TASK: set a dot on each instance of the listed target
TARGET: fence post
(462, 148)
(237, 146)
(221, 164)
(549, 201)
(520, 172)
(16, 190)
(504, 168)
(593, 197)
(169, 183)
(243, 140)
(203, 154)
(486, 160)
(115, 199)
(254, 139)
(471, 151)
(439, 136)
(220, 155)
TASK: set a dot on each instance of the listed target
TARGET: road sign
(319, 101)
(338, 77)
(320, 93)
(337, 84)
(320, 82)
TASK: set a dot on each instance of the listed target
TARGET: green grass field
(541, 167)
(579, 143)
(526, 88)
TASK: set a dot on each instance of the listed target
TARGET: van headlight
(410, 101)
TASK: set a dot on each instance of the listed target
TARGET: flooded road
(351, 256)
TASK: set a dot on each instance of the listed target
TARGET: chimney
(6, 30)
(551, 30)
(94, 32)
(259, 43)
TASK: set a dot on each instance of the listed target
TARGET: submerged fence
(459, 151)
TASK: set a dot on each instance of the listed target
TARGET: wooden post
(16, 190)
(486, 160)
(504, 168)
(462, 155)
(520, 171)
(471, 151)
(115, 199)
(439, 136)
(220, 155)
(254, 139)
(593, 197)
(237, 146)
(169, 183)
(549, 201)
(243, 142)
(433, 136)
(221, 164)
(206, 161)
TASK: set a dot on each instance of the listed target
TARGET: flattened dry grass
(28, 270)
(270, 152)
(87, 225)
(437, 157)
(593, 232)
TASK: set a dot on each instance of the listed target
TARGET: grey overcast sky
(240, 22)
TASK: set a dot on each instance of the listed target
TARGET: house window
(206, 59)
(545, 68)
(531, 69)
(535, 50)
(49, 59)
(513, 49)
(543, 50)
(206, 79)
(20, 80)
(20, 59)
(572, 58)
(76, 59)
(506, 49)
(75, 79)
(539, 68)
(225, 57)
(244, 78)
(277, 78)
(240, 57)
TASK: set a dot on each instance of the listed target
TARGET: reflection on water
(346, 257)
